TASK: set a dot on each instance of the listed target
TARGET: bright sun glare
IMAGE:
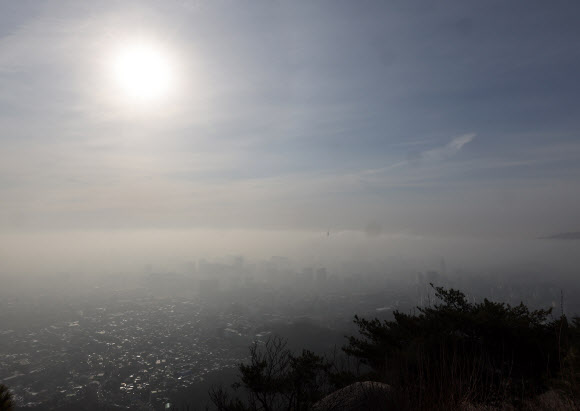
(143, 72)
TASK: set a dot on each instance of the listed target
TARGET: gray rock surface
(367, 395)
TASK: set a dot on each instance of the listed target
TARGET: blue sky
(428, 118)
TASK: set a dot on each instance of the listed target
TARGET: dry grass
(549, 401)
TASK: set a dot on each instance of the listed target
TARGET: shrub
(6, 402)
(275, 379)
(452, 355)
(461, 351)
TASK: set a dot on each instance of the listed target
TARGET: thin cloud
(437, 154)
(449, 150)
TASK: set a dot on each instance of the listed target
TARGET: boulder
(367, 395)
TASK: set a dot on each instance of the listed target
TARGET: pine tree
(6, 402)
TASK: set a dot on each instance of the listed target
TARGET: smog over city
(188, 185)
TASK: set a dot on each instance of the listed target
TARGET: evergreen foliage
(277, 379)
(449, 354)
(6, 402)
(483, 349)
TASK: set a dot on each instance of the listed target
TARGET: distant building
(432, 277)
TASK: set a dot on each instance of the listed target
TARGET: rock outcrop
(367, 395)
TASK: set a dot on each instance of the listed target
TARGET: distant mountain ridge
(562, 236)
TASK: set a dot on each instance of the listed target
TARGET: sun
(143, 72)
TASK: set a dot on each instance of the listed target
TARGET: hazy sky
(424, 118)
